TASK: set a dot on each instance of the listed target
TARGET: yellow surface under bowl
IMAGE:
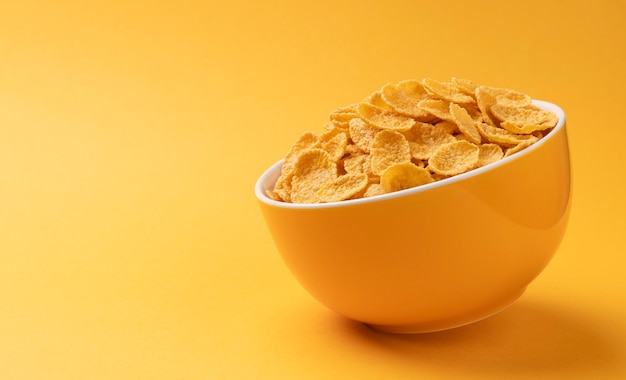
(433, 257)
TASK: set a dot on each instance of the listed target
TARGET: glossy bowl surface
(436, 256)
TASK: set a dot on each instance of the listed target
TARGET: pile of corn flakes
(409, 134)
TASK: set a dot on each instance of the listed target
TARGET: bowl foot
(450, 323)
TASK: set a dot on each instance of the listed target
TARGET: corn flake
(426, 138)
(446, 91)
(362, 134)
(436, 107)
(454, 158)
(466, 86)
(404, 98)
(502, 136)
(356, 163)
(282, 187)
(306, 141)
(312, 171)
(384, 119)
(523, 120)
(488, 153)
(485, 100)
(343, 187)
(389, 147)
(466, 124)
(521, 146)
(404, 175)
(373, 190)
(340, 117)
(336, 146)
(508, 97)
(376, 99)
(449, 126)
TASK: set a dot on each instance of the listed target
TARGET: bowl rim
(274, 170)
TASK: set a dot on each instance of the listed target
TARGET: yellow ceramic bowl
(436, 256)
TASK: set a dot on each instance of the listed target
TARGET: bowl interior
(269, 177)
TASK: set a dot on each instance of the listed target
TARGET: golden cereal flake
(502, 136)
(343, 187)
(446, 91)
(313, 169)
(389, 147)
(362, 134)
(466, 86)
(465, 123)
(404, 98)
(523, 120)
(454, 158)
(488, 153)
(336, 146)
(426, 139)
(404, 175)
(384, 119)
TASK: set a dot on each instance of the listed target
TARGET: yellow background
(131, 136)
